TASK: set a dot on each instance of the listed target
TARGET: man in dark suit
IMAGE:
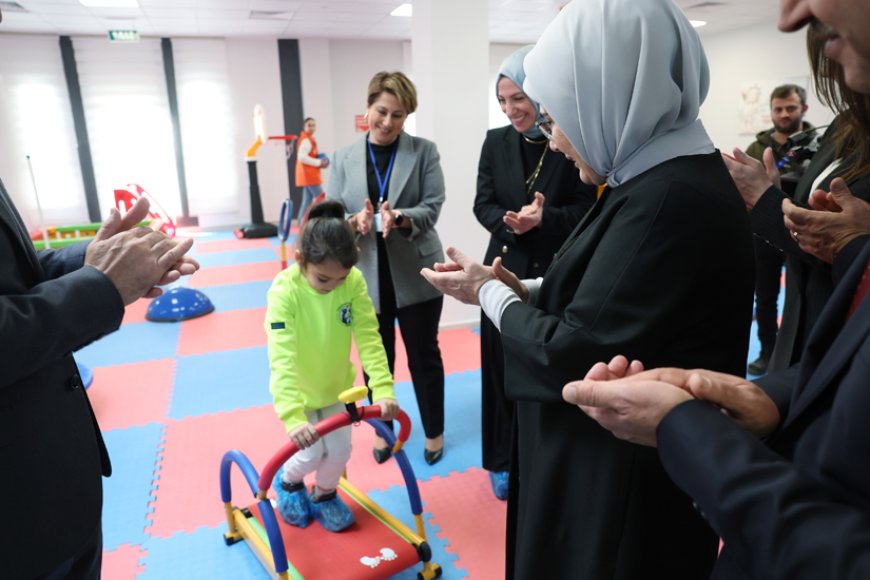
(51, 452)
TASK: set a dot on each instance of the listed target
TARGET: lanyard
(382, 183)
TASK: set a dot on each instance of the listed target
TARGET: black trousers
(419, 326)
(768, 273)
(85, 565)
(496, 410)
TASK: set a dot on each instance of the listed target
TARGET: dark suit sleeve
(779, 387)
(775, 521)
(41, 324)
(487, 208)
(847, 256)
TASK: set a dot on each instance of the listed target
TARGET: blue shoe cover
(293, 505)
(499, 481)
(331, 512)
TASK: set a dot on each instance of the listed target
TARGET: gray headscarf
(624, 80)
(512, 68)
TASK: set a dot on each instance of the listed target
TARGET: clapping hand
(530, 216)
(137, 259)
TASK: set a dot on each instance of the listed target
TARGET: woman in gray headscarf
(660, 269)
(529, 199)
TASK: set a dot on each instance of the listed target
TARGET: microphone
(802, 146)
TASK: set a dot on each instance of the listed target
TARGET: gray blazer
(417, 188)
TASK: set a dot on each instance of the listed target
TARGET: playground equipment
(60, 236)
(259, 228)
(377, 546)
(177, 304)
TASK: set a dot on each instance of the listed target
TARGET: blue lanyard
(382, 183)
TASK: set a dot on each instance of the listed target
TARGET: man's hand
(137, 259)
(839, 218)
(362, 221)
(744, 402)
(630, 408)
(462, 279)
(618, 368)
(389, 409)
(632, 413)
(530, 216)
(750, 176)
(304, 436)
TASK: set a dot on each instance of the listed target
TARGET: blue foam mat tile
(134, 453)
(133, 342)
(461, 426)
(224, 381)
(249, 256)
(200, 554)
(395, 501)
(243, 296)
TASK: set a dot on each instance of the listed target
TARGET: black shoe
(433, 457)
(381, 455)
(759, 365)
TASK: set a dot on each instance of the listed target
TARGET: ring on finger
(794, 234)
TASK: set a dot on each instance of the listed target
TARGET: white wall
(760, 53)
(252, 67)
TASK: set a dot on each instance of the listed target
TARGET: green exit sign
(124, 35)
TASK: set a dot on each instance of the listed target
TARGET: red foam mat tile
(136, 312)
(122, 563)
(132, 394)
(235, 274)
(221, 331)
(460, 351)
(213, 246)
(188, 487)
(471, 518)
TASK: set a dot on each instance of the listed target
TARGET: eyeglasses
(546, 127)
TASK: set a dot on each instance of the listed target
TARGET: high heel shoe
(433, 457)
(381, 455)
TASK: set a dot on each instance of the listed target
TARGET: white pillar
(450, 64)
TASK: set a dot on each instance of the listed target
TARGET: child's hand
(304, 436)
(389, 408)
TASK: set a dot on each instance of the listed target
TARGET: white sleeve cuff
(495, 297)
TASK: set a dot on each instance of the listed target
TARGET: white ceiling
(510, 21)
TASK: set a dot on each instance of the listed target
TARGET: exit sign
(124, 35)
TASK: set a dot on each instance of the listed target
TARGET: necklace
(534, 141)
(530, 180)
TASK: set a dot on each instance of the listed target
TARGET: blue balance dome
(179, 303)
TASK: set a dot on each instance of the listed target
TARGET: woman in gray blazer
(393, 188)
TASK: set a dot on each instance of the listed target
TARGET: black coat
(660, 269)
(51, 451)
(798, 507)
(501, 188)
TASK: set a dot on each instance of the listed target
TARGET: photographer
(789, 134)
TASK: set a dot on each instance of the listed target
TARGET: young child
(315, 307)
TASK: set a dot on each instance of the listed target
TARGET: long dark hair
(851, 135)
(328, 236)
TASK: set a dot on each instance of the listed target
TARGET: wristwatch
(400, 218)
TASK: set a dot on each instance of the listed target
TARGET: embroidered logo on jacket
(345, 315)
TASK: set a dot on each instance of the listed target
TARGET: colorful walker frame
(377, 546)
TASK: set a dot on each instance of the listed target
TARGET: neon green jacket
(309, 338)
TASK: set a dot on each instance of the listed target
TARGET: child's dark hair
(328, 236)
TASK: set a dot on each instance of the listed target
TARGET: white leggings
(328, 456)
